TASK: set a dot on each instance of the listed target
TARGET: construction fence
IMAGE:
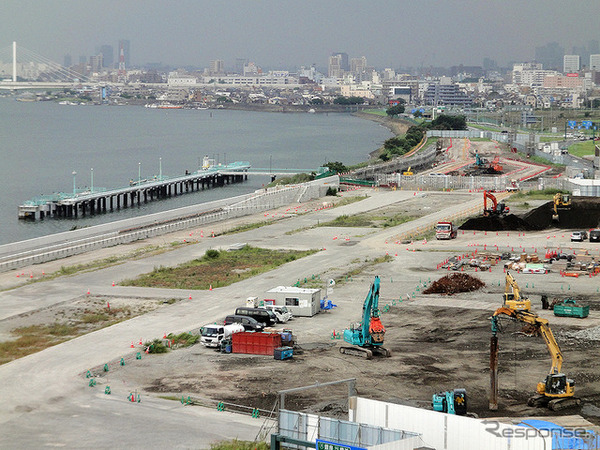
(310, 427)
(447, 431)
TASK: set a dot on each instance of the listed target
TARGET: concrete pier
(81, 204)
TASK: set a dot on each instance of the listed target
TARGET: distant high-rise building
(345, 66)
(335, 67)
(67, 61)
(595, 62)
(217, 67)
(550, 56)
(358, 65)
(96, 63)
(239, 65)
(108, 55)
(593, 47)
(251, 70)
(124, 44)
(82, 59)
(571, 63)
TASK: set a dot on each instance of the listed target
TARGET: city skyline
(282, 35)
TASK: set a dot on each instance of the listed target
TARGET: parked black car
(268, 318)
(248, 323)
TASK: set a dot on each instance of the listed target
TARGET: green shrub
(212, 254)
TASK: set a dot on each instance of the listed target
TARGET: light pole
(139, 172)
(74, 188)
(92, 181)
(159, 169)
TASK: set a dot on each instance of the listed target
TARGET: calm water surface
(42, 143)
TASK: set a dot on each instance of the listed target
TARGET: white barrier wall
(69, 243)
(445, 431)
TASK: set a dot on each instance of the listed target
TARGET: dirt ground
(433, 349)
(438, 342)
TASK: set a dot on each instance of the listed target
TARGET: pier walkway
(63, 205)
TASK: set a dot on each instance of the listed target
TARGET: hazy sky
(282, 33)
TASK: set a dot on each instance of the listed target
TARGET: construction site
(502, 306)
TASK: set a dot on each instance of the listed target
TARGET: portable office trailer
(299, 301)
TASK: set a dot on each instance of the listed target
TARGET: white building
(571, 63)
(595, 62)
(530, 74)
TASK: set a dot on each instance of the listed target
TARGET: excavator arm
(556, 391)
(512, 295)
(369, 333)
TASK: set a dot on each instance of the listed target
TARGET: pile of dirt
(584, 213)
(454, 283)
(497, 223)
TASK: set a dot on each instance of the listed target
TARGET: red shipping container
(253, 343)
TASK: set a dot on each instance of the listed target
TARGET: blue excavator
(450, 402)
(367, 336)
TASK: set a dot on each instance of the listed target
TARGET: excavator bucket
(376, 330)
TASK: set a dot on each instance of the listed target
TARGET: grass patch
(102, 263)
(246, 227)
(34, 339)
(239, 445)
(218, 268)
(582, 148)
(367, 221)
(546, 194)
(293, 179)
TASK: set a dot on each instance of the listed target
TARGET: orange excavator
(496, 209)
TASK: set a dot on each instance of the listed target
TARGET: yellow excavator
(512, 295)
(556, 391)
(408, 172)
(562, 202)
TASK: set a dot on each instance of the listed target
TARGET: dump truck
(445, 230)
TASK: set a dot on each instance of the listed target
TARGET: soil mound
(584, 213)
(454, 283)
(497, 223)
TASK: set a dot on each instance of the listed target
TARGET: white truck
(281, 312)
(212, 334)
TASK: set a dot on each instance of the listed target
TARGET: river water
(43, 143)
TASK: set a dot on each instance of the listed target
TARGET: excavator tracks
(356, 351)
(366, 352)
(559, 404)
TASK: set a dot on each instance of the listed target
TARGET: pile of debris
(525, 263)
(454, 283)
(483, 261)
